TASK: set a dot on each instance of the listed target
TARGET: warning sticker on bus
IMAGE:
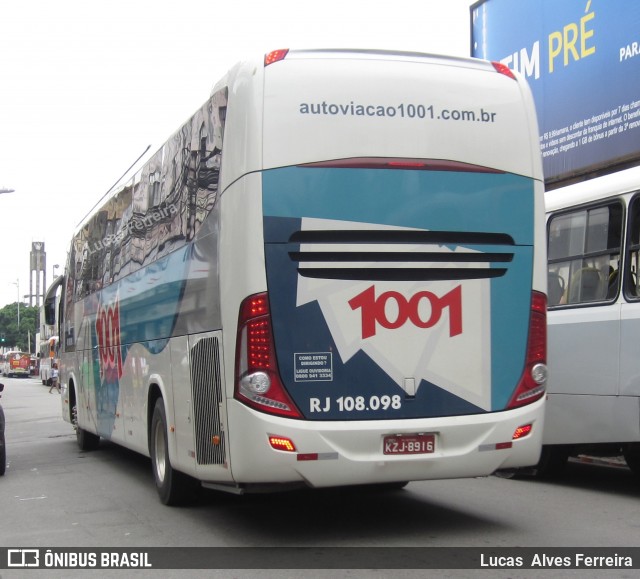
(313, 367)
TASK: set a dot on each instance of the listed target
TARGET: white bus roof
(612, 185)
(377, 103)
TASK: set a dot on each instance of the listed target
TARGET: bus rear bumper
(348, 453)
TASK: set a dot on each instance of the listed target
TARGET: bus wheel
(553, 461)
(86, 440)
(173, 487)
(632, 456)
(392, 486)
(3, 455)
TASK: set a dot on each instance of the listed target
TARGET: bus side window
(584, 254)
(585, 286)
(555, 288)
(632, 289)
(613, 281)
(633, 281)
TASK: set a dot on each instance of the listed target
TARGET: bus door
(585, 327)
(630, 315)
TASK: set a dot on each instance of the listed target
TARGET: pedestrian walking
(54, 378)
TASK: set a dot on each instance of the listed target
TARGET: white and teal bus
(332, 274)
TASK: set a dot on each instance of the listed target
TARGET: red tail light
(532, 384)
(282, 443)
(522, 431)
(257, 382)
(504, 69)
(275, 56)
(396, 163)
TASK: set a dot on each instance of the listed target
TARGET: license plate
(409, 444)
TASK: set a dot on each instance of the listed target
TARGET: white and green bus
(332, 274)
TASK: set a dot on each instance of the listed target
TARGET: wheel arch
(71, 398)
(154, 393)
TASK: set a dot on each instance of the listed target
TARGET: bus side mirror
(50, 301)
(50, 313)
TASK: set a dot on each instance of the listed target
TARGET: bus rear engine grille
(400, 255)
(206, 389)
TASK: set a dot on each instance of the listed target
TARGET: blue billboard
(582, 61)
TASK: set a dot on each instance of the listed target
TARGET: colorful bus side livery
(279, 299)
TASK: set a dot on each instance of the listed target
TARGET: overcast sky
(86, 86)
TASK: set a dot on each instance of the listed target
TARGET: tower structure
(37, 273)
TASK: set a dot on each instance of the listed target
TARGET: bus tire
(390, 486)
(86, 440)
(3, 456)
(174, 487)
(553, 461)
(632, 457)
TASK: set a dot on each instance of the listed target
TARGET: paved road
(55, 495)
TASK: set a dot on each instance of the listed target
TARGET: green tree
(28, 325)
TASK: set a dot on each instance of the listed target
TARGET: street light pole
(17, 283)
